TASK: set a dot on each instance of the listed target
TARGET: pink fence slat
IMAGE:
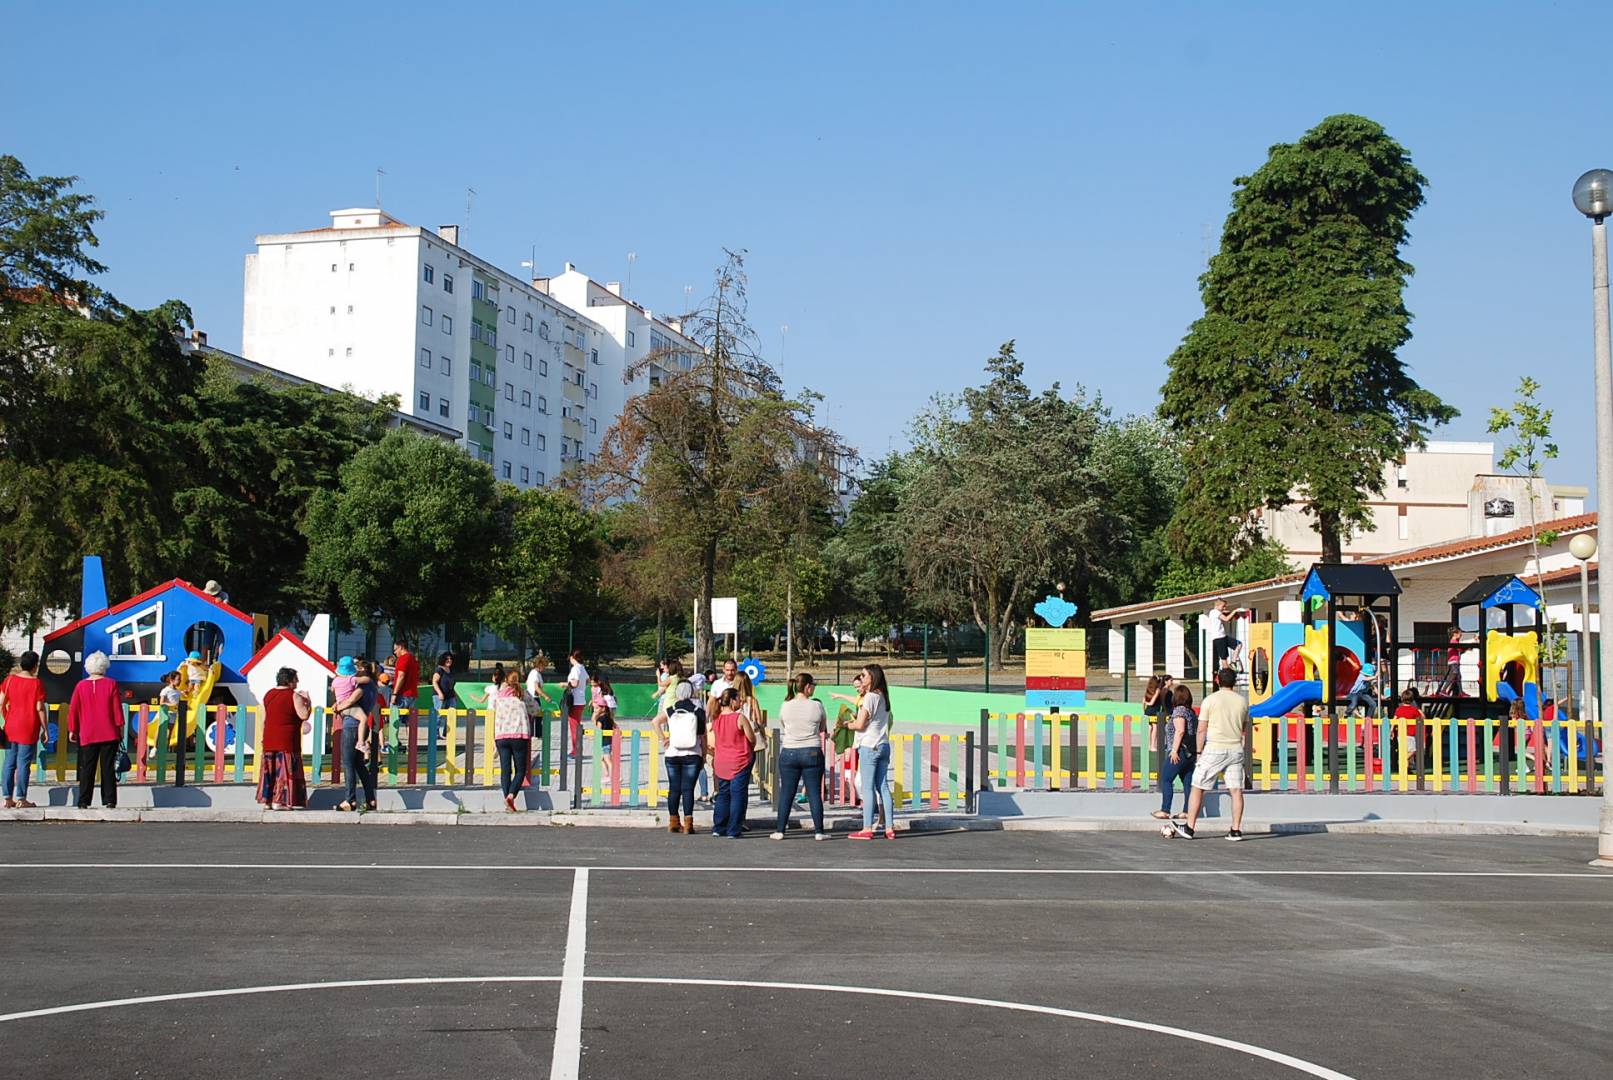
(935, 771)
(1019, 749)
(218, 744)
(141, 721)
(1472, 756)
(1537, 744)
(1125, 741)
(1300, 761)
(616, 770)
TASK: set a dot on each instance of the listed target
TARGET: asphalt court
(1295, 955)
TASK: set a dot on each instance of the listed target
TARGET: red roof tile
(142, 598)
(285, 635)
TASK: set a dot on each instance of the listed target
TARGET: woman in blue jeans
(681, 724)
(803, 723)
(348, 690)
(873, 728)
(1181, 745)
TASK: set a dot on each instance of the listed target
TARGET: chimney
(199, 338)
(613, 287)
(449, 233)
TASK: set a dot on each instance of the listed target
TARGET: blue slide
(1531, 697)
(1289, 698)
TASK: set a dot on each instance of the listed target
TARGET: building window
(1401, 479)
(540, 478)
(593, 388)
(448, 283)
(526, 474)
(509, 432)
(430, 274)
(350, 309)
(446, 363)
(425, 358)
(486, 454)
(352, 266)
(333, 309)
(443, 407)
(542, 445)
(333, 268)
(425, 401)
(543, 404)
(543, 328)
(447, 325)
(509, 353)
(526, 361)
(509, 392)
(487, 416)
(509, 315)
(526, 436)
(582, 340)
(330, 352)
(506, 470)
(349, 350)
(630, 339)
(593, 426)
(473, 413)
(425, 315)
(526, 322)
(489, 377)
(139, 635)
(475, 371)
(526, 398)
(478, 291)
(594, 355)
(576, 377)
(543, 367)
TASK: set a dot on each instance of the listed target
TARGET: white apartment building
(385, 307)
(1447, 491)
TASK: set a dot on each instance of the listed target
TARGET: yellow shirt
(1223, 717)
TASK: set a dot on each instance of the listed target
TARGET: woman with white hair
(95, 722)
(682, 728)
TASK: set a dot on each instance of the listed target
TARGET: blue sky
(915, 184)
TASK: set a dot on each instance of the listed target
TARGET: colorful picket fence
(462, 754)
(1037, 751)
(928, 771)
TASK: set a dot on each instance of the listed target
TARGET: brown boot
(672, 824)
(688, 826)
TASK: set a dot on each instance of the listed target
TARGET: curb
(608, 819)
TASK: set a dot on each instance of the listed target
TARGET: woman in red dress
(281, 785)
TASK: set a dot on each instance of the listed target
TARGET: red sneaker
(890, 834)
(862, 834)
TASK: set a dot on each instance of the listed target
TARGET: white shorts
(1217, 762)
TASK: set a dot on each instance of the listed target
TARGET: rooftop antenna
(783, 333)
(379, 172)
(470, 201)
(632, 257)
(532, 266)
(687, 290)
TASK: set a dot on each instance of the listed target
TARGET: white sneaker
(820, 836)
(776, 836)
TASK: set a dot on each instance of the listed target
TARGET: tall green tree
(258, 452)
(545, 566)
(713, 448)
(1290, 387)
(408, 536)
(1005, 499)
(95, 398)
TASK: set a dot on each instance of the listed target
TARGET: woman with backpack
(1181, 750)
(682, 727)
(803, 724)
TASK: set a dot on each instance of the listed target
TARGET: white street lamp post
(1583, 548)
(1593, 197)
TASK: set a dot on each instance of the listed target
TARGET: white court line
(1276, 1057)
(566, 1061)
(1583, 875)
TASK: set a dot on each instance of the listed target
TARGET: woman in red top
(733, 753)
(95, 722)
(280, 780)
(22, 703)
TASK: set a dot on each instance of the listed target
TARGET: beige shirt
(1223, 718)
(802, 720)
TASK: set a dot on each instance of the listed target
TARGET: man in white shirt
(1224, 647)
(724, 681)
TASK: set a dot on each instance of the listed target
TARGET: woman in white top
(802, 724)
(576, 700)
(873, 728)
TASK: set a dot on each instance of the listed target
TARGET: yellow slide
(194, 706)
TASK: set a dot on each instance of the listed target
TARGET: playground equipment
(1345, 619)
(193, 706)
(1509, 655)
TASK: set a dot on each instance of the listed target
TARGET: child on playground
(169, 710)
(195, 672)
(603, 699)
(1409, 710)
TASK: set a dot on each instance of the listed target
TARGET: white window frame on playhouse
(129, 631)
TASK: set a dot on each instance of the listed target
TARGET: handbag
(122, 764)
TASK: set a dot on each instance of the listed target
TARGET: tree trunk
(950, 632)
(703, 647)
(660, 634)
(1328, 527)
